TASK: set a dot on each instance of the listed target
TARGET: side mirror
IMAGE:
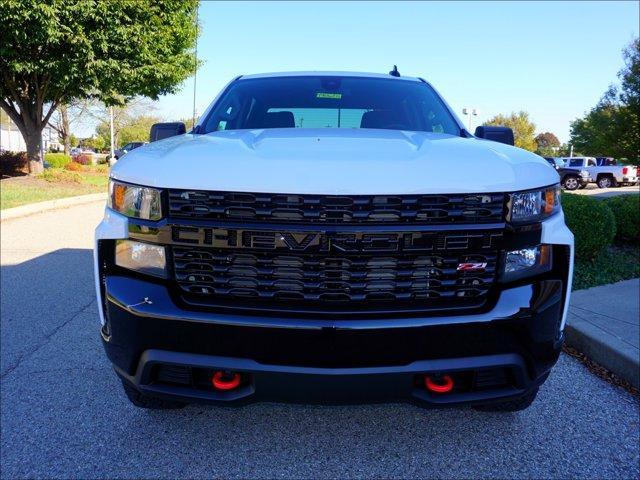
(496, 134)
(166, 130)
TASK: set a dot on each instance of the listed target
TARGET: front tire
(515, 405)
(571, 183)
(141, 400)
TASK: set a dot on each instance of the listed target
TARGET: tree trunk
(34, 144)
(64, 131)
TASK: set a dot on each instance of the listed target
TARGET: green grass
(616, 263)
(96, 180)
(52, 184)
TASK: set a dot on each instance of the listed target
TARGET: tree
(188, 123)
(123, 116)
(523, 128)
(133, 129)
(96, 143)
(612, 127)
(548, 144)
(73, 140)
(65, 116)
(53, 52)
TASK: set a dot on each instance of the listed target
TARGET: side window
(577, 162)
(591, 163)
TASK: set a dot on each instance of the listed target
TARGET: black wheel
(145, 401)
(606, 181)
(571, 183)
(515, 405)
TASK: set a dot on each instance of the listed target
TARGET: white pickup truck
(604, 176)
(312, 239)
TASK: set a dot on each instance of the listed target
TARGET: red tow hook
(225, 380)
(439, 384)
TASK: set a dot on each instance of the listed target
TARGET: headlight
(141, 257)
(535, 205)
(135, 201)
(526, 262)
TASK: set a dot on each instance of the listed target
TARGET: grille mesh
(284, 208)
(364, 281)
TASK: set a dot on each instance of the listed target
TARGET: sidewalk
(604, 324)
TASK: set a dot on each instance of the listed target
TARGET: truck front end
(342, 291)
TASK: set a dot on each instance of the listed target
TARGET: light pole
(469, 112)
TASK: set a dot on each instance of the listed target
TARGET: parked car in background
(570, 179)
(123, 150)
(604, 176)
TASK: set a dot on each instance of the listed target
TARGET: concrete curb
(39, 207)
(608, 352)
(603, 338)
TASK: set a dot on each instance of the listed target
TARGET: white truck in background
(604, 176)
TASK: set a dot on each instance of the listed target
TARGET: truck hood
(332, 161)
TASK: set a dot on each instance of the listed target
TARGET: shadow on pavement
(40, 295)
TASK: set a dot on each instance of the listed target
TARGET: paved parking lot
(592, 190)
(64, 416)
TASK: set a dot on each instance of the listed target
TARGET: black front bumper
(167, 351)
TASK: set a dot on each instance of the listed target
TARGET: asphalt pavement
(592, 190)
(63, 414)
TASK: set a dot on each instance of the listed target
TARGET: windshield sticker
(335, 96)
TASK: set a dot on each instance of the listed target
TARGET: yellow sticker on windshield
(335, 96)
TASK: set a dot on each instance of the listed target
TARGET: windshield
(330, 102)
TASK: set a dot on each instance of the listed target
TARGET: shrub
(57, 160)
(73, 166)
(591, 222)
(626, 210)
(84, 159)
(58, 175)
(13, 163)
(102, 168)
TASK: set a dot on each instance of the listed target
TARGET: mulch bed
(600, 371)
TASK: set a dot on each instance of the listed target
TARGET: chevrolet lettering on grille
(339, 242)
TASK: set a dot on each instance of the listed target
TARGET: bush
(57, 160)
(73, 166)
(84, 159)
(102, 168)
(626, 210)
(13, 163)
(58, 175)
(591, 222)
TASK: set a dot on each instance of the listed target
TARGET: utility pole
(113, 147)
(571, 154)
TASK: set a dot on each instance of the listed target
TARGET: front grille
(337, 209)
(331, 281)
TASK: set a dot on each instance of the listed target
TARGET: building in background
(10, 137)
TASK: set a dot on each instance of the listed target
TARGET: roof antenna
(394, 72)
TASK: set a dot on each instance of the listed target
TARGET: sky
(551, 59)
